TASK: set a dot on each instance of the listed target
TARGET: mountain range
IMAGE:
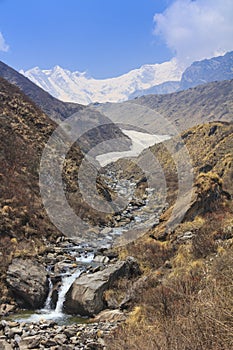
(203, 103)
(79, 87)
(183, 297)
(161, 78)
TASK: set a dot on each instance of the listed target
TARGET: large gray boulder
(28, 283)
(85, 296)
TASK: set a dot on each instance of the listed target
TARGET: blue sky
(107, 38)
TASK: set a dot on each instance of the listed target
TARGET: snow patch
(140, 141)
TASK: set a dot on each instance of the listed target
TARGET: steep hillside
(208, 102)
(25, 227)
(55, 109)
(58, 110)
(184, 298)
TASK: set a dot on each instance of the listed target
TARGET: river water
(140, 216)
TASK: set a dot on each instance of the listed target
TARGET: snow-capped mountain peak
(79, 87)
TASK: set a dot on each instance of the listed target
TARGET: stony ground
(49, 335)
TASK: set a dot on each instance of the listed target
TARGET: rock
(123, 222)
(48, 342)
(63, 266)
(106, 230)
(28, 283)
(3, 324)
(59, 239)
(185, 236)
(110, 316)
(85, 296)
(30, 342)
(5, 309)
(135, 202)
(168, 264)
(70, 332)
(101, 259)
(49, 335)
(5, 346)
(60, 339)
(13, 331)
(54, 296)
(142, 181)
(162, 236)
(51, 256)
(111, 254)
(94, 346)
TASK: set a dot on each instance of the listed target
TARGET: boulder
(4, 345)
(28, 283)
(5, 309)
(101, 259)
(30, 342)
(85, 296)
(111, 316)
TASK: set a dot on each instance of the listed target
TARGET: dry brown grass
(189, 312)
(151, 254)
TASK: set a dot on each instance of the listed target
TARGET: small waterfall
(47, 313)
(47, 305)
(66, 284)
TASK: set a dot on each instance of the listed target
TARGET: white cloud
(197, 29)
(3, 45)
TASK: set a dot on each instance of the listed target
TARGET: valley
(151, 181)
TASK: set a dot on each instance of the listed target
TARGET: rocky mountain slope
(25, 227)
(205, 71)
(208, 102)
(100, 127)
(186, 286)
(55, 109)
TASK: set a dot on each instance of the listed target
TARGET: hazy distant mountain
(167, 87)
(214, 69)
(78, 87)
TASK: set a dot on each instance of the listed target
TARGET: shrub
(190, 312)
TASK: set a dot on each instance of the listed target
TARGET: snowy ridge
(78, 87)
